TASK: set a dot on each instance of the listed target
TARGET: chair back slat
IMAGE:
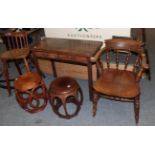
(21, 43)
(12, 42)
(117, 59)
(8, 44)
(127, 61)
(108, 60)
(137, 64)
(16, 40)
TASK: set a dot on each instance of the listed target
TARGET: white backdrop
(86, 33)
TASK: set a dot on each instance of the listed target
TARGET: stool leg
(34, 101)
(81, 96)
(64, 106)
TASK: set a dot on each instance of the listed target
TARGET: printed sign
(86, 33)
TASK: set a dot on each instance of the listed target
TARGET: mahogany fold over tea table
(68, 51)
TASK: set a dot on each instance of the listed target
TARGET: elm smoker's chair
(116, 81)
(17, 49)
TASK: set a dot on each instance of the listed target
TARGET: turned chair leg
(95, 99)
(137, 109)
(6, 76)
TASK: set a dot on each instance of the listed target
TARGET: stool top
(63, 85)
(27, 81)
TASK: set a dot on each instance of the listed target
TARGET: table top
(68, 46)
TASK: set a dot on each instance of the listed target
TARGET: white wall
(86, 33)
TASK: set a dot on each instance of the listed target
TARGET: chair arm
(146, 66)
(97, 56)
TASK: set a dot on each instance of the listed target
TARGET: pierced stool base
(66, 97)
(31, 92)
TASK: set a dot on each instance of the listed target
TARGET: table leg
(37, 66)
(90, 81)
(54, 69)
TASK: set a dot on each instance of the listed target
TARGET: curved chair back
(124, 54)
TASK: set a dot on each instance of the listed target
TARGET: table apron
(60, 57)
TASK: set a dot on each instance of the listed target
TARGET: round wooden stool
(65, 97)
(31, 92)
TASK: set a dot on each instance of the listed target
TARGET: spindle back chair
(16, 40)
(119, 75)
(17, 49)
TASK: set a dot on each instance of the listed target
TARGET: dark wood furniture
(17, 49)
(34, 35)
(140, 35)
(63, 92)
(120, 84)
(31, 92)
(69, 51)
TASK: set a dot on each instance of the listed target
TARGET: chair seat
(118, 83)
(27, 81)
(14, 54)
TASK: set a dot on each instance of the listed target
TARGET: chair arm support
(97, 56)
(144, 67)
